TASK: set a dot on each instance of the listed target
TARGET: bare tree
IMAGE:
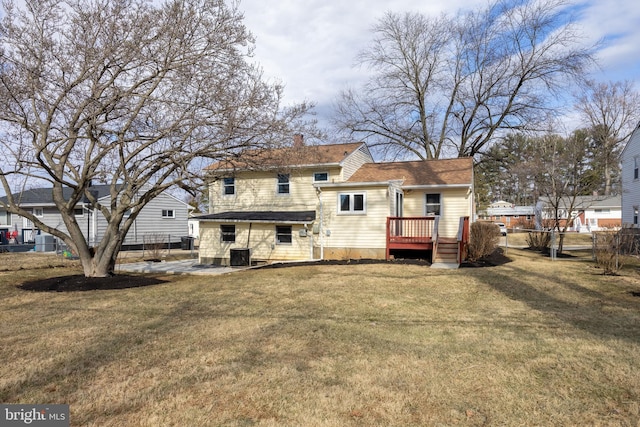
(611, 110)
(559, 167)
(447, 85)
(127, 93)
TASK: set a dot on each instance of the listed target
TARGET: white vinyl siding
(630, 160)
(257, 191)
(260, 239)
(454, 203)
(356, 231)
(354, 161)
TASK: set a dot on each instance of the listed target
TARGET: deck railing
(410, 229)
(463, 238)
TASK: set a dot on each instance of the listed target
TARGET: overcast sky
(311, 45)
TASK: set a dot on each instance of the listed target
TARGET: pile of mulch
(496, 258)
(81, 283)
(363, 261)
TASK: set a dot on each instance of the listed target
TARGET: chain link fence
(610, 249)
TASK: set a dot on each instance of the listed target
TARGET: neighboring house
(164, 217)
(332, 202)
(630, 159)
(511, 215)
(194, 228)
(589, 213)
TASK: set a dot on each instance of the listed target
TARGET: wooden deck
(421, 233)
(411, 233)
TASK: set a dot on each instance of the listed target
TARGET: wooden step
(446, 252)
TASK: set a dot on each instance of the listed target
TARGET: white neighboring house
(163, 217)
(630, 159)
(589, 213)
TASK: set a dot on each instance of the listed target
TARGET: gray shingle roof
(44, 196)
(261, 216)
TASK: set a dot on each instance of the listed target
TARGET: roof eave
(432, 186)
(353, 184)
(254, 221)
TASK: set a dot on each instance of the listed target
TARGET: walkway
(187, 266)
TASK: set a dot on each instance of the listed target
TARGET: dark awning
(261, 216)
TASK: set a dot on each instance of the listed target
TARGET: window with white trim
(635, 216)
(320, 176)
(228, 186)
(39, 212)
(433, 205)
(78, 212)
(283, 183)
(168, 213)
(352, 203)
(228, 233)
(284, 235)
(636, 166)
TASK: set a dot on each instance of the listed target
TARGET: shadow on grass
(601, 315)
(79, 282)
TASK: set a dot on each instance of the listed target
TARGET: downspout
(319, 194)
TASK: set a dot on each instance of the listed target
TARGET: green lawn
(531, 342)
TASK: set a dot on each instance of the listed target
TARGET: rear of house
(336, 207)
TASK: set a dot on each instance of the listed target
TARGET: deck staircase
(445, 253)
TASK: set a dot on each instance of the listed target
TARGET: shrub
(483, 239)
(154, 244)
(612, 249)
(539, 240)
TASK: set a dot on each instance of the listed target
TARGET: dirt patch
(81, 283)
(495, 259)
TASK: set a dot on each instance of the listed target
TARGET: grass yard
(531, 342)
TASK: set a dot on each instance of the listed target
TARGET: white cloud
(311, 46)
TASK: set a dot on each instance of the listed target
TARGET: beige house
(333, 202)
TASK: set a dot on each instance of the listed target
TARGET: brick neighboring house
(511, 215)
(334, 202)
(590, 213)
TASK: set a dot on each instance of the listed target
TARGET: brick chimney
(298, 140)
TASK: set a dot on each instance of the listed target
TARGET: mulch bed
(81, 283)
(495, 259)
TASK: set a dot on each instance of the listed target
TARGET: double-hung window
(433, 205)
(228, 233)
(284, 235)
(228, 186)
(283, 183)
(39, 212)
(352, 203)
